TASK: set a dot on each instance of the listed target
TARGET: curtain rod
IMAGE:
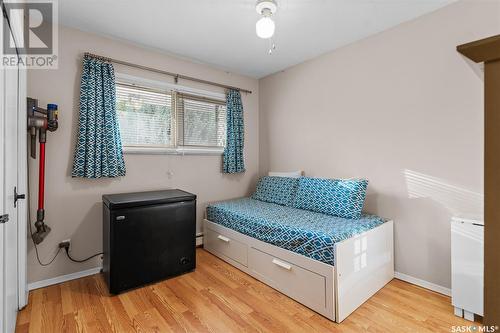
(175, 75)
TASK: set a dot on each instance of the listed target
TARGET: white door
(2, 216)
(9, 104)
(10, 172)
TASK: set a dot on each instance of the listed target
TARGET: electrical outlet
(65, 244)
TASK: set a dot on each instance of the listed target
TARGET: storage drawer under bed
(226, 245)
(299, 283)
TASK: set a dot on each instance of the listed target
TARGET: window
(145, 116)
(169, 121)
(202, 121)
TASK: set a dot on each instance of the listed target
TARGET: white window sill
(172, 151)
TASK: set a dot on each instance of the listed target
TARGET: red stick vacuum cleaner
(41, 120)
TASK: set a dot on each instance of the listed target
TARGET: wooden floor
(219, 298)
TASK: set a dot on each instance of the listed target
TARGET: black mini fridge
(147, 237)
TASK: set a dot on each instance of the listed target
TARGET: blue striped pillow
(279, 190)
(337, 197)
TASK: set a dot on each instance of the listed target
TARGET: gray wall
(73, 206)
(402, 109)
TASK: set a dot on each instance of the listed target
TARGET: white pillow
(292, 174)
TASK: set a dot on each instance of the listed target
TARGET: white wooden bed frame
(363, 265)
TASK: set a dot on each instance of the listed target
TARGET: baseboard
(63, 278)
(77, 275)
(422, 283)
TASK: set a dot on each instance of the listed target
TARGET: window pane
(203, 123)
(145, 116)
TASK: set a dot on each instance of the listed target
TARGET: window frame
(160, 86)
(172, 120)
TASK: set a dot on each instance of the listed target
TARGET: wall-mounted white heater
(467, 266)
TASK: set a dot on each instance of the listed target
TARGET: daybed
(330, 264)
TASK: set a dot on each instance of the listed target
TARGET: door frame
(22, 233)
(22, 184)
(16, 25)
(487, 51)
(2, 210)
(16, 28)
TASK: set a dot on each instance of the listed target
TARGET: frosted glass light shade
(265, 27)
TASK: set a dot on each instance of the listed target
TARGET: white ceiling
(222, 32)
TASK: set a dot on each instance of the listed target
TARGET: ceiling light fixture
(265, 26)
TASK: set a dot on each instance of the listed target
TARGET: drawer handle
(282, 264)
(224, 239)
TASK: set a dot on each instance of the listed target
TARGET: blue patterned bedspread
(308, 233)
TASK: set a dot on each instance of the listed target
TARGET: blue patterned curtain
(98, 150)
(233, 153)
